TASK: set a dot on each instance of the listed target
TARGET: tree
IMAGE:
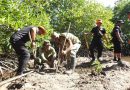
(120, 12)
(81, 13)
(19, 13)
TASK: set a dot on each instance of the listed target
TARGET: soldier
(98, 32)
(18, 41)
(117, 41)
(70, 45)
(47, 55)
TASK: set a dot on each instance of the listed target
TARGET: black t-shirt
(115, 30)
(22, 35)
(96, 35)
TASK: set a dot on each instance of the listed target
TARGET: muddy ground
(114, 77)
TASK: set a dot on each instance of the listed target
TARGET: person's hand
(64, 52)
(121, 41)
(86, 33)
(33, 44)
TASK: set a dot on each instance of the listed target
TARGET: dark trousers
(98, 45)
(23, 56)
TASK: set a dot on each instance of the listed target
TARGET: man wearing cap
(117, 41)
(70, 45)
(98, 32)
(18, 41)
(47, 55)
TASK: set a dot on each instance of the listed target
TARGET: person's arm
(54, 53)
(69, 48)
(119, 37)
(33, 36)
(42, 56)
(33, 33)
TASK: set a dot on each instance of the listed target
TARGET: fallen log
(14, 78)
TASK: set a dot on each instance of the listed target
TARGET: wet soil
(114, 77)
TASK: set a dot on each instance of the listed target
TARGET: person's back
(18, 40)
(22, 35)
(70, 36)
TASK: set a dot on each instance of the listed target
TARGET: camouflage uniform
(71, 55)
(46, 58)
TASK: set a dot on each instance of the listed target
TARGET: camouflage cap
(55, 34)
(46, 42)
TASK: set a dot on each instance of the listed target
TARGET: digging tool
(87, 45)
(14, 78)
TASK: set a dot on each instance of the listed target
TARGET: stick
(87, 45)
(14, 78)
(66, 35)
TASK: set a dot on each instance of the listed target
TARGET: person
(98, 32)
(47, 55)
(55, 41)
(18, 41)
(70, 45)
(117, 41)
(128, 15)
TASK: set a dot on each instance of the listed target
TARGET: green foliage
(81, 13)
(5, 32)
(20, 13)
(55, 14)
(120, 12)
(97, 66)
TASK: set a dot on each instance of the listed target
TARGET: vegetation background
(55, 15)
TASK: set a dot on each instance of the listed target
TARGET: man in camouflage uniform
(46, 55)
(70, 45)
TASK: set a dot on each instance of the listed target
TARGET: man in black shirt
(117, 40)
(18, 40)
(98, 32)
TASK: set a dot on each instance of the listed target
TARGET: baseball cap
(99, 21)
